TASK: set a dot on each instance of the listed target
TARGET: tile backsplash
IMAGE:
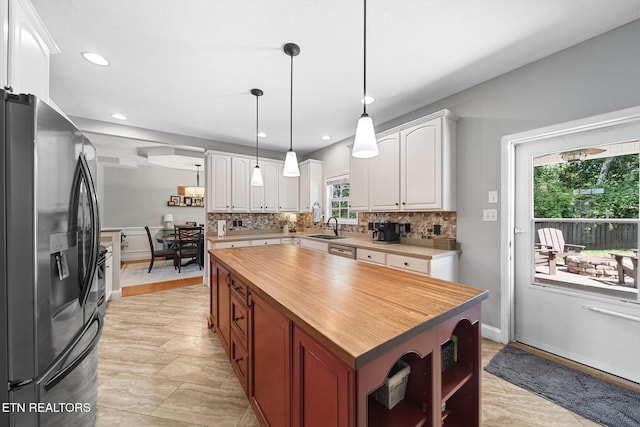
(422, 224)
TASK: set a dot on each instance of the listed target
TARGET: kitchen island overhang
(360, 313)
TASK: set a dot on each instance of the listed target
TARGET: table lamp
(168, 221)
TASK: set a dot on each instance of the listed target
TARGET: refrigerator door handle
(83, 175)
(61, 373)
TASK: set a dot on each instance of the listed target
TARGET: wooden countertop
(357, 310)
(363, 241)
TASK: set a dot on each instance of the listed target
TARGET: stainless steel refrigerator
(49, 235)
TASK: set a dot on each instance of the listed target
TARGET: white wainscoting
(137, 243)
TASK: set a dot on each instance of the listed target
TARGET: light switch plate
(490, 215)
(493, 196)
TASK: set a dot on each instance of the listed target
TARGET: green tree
(594, 188)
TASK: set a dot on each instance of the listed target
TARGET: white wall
(138, 197)
(597, 76)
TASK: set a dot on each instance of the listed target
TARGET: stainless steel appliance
(387, 232)
(49, 320)
(342, 250)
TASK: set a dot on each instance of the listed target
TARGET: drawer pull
(406, 264)
(238, 318)
(237, 359)
(369, 256)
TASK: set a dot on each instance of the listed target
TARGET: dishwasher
(342, 250)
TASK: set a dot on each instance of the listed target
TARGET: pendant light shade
(291, 168)
(365, 144)
(256, 177)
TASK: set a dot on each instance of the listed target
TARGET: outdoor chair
(545, 257)
(552, 238)
(158, 253)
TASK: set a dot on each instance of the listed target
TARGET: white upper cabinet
(265, 198)
(415, 170)
(26, 48)
(288, 191)
(218, 182)
(228, 185)
(310, 184)
(359, 184)
(384, 183)
(240, 179)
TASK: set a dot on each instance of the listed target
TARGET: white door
(579, 311)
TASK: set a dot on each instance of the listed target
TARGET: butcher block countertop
(357, 310)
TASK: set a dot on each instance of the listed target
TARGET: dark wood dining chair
(189, 241)
(158, 253)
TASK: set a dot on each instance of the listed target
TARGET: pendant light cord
(257, 128)
(364, 95)
(291, 110)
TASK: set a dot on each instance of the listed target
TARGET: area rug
(598, 400)
(135, 273)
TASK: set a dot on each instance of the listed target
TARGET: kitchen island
(312, 337)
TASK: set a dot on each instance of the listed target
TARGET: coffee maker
(387, 232)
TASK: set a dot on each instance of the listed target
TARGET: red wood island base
(312, 336)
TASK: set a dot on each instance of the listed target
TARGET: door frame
(507, 188)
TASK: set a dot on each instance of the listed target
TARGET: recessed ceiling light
(326, 138)
(95, 58)
(262, 134)
(367, 100)
(119, 116)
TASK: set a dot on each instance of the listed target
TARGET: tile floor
(161, 366)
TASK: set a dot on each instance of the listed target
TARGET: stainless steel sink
(325, 237)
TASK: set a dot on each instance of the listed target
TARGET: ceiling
(187, 67)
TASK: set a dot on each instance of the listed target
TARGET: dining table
(169, 238)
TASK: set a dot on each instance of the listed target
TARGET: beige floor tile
(220, 406)
(135, 393)
(203, 346)
(211, 370)
(108, 417)
(135, 361)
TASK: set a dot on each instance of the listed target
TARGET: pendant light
(256, 177)
(291, 168)
(365, 144)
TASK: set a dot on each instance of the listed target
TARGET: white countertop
(364, 242)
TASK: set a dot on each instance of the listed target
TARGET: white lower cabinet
(374, 257)
(313, 244)
(414, 265)
(263, 242)
(225, 245)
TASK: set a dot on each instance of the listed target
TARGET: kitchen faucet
(336, 229)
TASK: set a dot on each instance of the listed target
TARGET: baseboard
(492, 333)
(148, 288)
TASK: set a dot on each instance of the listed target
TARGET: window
(586, 211)
(338, 200)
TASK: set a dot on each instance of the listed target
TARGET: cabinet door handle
(397, 203)
(406, 264)
(237, 359)
(238, 318)
(369, 256)
(404, 203)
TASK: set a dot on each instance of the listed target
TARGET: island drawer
(240, 289)
(416, 265)
(371, 256)
(239, 357)
(239, 318)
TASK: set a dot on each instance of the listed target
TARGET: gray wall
(138, 197)
(594, 77)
